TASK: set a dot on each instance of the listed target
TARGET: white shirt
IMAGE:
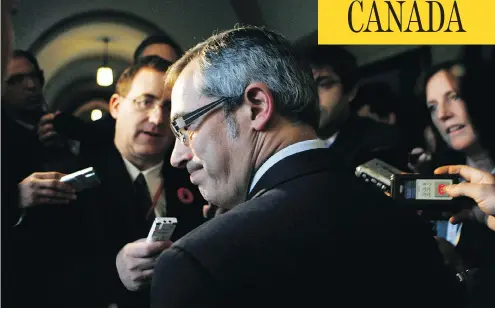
(287, 151)
(329, 141)
(153, 176)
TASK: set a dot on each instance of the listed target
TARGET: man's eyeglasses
(180, 124)
(148, 103)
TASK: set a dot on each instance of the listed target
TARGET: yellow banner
(415, 22)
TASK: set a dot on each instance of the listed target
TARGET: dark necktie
(143, 197)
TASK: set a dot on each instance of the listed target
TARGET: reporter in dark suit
(301, 230)
(137, 184)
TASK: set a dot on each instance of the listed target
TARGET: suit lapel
(294, 166)
(179, 192)
(118, 186)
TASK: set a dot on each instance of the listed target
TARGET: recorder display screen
(426, 189)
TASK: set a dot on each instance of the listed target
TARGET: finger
(48, 175)
(461, 216)
(45, 128)
(475, 191)
(141, 263)
(469, 173)
(490, 222)
(47, 136)
(56, 185)
(54, 201)
(47, 118)
(145, 276)
(144, 249)
(205, 210)
(50, 193)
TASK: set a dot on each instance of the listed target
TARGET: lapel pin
(185, 195)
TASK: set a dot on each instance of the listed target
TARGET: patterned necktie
(143, 197)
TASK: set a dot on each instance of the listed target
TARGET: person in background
(137, 185)
(159, 45)
(356, 139)
(455, 95)
(376, 101)
(42, 207)
(94, 135)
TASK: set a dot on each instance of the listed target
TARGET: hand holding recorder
(136, 262)
(480, 187)
(421, 191)
(45, 188)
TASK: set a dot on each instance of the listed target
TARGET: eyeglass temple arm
(200, 111)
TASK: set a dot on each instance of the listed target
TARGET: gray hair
(233, 59)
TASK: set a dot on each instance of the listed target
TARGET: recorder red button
(441, 189)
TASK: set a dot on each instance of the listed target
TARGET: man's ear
(261, 105)
(114, 105)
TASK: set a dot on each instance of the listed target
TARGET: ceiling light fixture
(104, 75)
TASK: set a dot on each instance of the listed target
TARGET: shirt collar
(329, 141)
(152, 172)
(281, 154)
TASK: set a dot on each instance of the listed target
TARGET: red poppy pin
(185, 195)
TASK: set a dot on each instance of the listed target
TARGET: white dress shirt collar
(153, 175)
(329, 141)
(283, 153)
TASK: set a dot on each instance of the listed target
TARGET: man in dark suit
(301, 230)
(137, 184)
(93, 135)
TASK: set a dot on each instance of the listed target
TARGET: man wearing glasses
(137, 184)
(300, 230)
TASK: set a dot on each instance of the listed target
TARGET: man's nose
(29, 82)
(157, 115)
(181, 154)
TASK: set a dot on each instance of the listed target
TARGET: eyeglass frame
(180, 124)
(19, 78)
(157, 102)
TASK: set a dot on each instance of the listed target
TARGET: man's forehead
(185, 94)
(19, 65)
(323, 71)
(148, 80)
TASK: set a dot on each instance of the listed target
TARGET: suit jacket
(115, 219)
(310, 234)
(361, 139)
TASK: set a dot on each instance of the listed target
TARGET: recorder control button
(384, 187)
(441, 189)
(373, 180)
